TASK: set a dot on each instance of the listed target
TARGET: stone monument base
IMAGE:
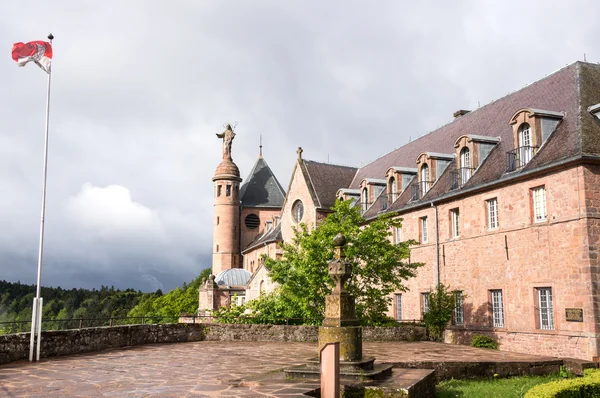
(363, 369)
(349, 337)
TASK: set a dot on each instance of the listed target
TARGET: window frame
(492, 216)
(424, 232)
(398, 304)
(298, 204)
(393, 189)
(546, 310)
(365, 199)
(398, 235)
(497, 308)
(455, 223)
(538, 204)
(424, 303)
(458, 314)
(424, 179)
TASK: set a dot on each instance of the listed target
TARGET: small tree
(379, 266)
(441, 307)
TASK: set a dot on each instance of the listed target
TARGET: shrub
(482, 341)
(587, 386)
(441, 307)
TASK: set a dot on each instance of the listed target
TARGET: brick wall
(264, 214)
(518, 257)
(297, 190)
(253, 258)
(260, 280)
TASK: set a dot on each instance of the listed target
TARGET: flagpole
(36, 316)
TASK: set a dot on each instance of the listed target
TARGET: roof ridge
(331, 164)
(469, 115)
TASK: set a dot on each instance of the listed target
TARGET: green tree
(379, 266)
(441, 306)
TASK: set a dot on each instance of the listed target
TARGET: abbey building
(504, 202)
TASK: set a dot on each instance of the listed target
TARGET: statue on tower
(228, 135)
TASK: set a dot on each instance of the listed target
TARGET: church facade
(504, 203)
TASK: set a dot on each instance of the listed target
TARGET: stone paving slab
(207, 369)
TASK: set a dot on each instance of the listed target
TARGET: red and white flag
(39, 52)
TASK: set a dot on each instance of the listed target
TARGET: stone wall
(517, 258)
(14, 347)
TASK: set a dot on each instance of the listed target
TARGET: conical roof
(261, 188)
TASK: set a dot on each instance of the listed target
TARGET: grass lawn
(491, 388)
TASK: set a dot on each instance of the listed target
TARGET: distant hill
(64, 309)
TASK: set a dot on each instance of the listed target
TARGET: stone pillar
(340, 323)
(207, 296)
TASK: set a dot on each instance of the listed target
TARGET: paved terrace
(209, 369)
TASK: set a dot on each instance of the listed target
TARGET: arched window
(525, 148)
(465, 165)
(393, 190)
(298, 211)
(261, 288)
(424, 179)
(365, 199)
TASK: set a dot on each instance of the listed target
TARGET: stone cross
(340, 323)
(339, 269)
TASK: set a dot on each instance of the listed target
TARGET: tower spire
(260, 147)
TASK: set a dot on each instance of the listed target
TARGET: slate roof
(274, 235)
(261, 188)
(570, 91)
(324, 180)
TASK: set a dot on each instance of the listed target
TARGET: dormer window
(371, 189)
(392, 189)
(346, 194)
(424, 181)
(398, 179)
(471, 151)
(465, 164)
(531, 129)
(431, 166)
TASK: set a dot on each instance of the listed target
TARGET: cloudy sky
(139, 89)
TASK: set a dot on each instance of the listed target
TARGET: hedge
(586, 386)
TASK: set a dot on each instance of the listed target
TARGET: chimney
(460, 112)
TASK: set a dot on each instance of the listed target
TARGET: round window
(298, 210)
(252, 221)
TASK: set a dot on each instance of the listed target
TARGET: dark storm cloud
(140, 88)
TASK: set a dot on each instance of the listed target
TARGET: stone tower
(226, 229)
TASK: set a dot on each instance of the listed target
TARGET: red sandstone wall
(247, 234)
(297, 190)
(253, 258)
(226, 228)
(548, 254)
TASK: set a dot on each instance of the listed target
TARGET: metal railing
(519, 157)
(420, 189)
(460, 176)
